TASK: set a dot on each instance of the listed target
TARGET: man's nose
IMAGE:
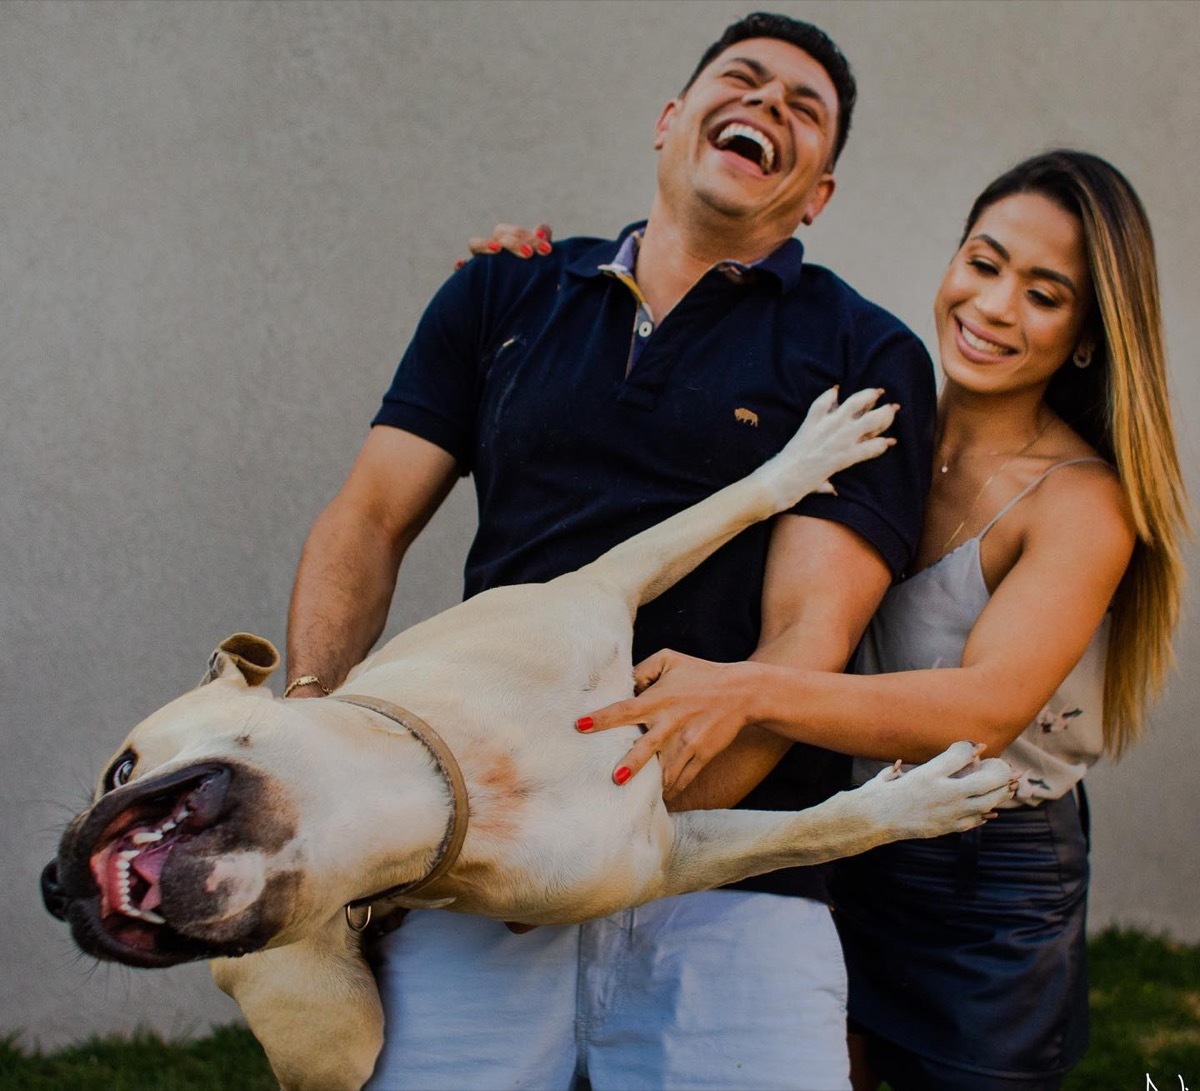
(770, 96)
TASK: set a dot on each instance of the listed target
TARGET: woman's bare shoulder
(1085, 504)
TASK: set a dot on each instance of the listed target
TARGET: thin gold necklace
(983, 488)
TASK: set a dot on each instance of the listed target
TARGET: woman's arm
(1076, 544)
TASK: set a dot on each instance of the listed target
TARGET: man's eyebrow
(803, 90)
(1037, 270)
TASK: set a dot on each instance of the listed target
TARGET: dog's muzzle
(131, 875)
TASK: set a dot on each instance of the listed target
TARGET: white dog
(256, 831)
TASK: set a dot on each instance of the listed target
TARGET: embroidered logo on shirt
(746, 416)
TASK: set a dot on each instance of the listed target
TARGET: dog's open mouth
(109, 877)
(128, 860)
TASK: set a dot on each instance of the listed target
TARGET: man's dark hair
(813, 40)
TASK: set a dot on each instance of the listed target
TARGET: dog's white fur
(502, 677)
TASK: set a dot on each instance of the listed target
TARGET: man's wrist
(310, 684)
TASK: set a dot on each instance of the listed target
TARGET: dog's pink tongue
(149, 865)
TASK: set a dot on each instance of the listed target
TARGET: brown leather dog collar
(456, 827)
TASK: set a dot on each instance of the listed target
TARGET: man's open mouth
(749, 143)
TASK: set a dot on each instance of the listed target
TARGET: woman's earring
(1082, 357)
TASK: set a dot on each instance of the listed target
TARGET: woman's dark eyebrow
(1037, 270)
(803, 90)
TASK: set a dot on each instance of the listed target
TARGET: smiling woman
(1009, 312)
(1036, 619)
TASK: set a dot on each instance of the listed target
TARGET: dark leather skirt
(970, 950)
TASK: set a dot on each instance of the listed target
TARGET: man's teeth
(766, 149)
(980, 345)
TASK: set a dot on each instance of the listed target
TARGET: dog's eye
(120, 771)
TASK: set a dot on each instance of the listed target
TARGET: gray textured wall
(218, 225)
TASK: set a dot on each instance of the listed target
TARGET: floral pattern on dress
(1052, 722)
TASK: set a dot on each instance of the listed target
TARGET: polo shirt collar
(783, 265)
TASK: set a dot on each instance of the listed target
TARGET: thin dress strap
(1033, 485)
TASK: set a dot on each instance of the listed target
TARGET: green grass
(229, 1059)
(1145, 1020)
(1145, 1001)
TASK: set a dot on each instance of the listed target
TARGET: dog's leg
(950, 793)
(313, 1006)
(832, 438)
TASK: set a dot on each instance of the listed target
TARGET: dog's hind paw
(951, 793)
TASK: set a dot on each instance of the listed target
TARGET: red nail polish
(584, 723)
(541, 233)
(493, 246)
(622, 774)
(460, 263)
(526, 250)
(543, 247)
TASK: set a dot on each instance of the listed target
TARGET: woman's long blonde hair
(1119, 405)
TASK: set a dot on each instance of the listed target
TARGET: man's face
(753, 137)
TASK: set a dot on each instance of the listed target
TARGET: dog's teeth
(167, 827)
(147, 837)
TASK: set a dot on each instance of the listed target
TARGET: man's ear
(664, 122)
(819, 199)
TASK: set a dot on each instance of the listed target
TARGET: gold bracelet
(306, 680)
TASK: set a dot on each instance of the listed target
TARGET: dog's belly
(523, 665)
(554, 871)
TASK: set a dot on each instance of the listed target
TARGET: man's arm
(822, 584)
(350, 561)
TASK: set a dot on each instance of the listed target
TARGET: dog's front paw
(833, 437)
(954, 792)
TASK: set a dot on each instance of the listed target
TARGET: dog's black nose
(52, 894)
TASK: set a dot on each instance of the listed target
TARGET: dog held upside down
(256, 832)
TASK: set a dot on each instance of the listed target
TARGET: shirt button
(645, 329)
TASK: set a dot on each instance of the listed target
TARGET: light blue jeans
(714, 990)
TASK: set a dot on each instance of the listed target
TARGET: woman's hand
(691, 709)
(515, 239)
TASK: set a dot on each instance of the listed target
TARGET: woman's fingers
(650, 670)
(618, 714)
(634, 710)
(635, 760)
(521, 241)
(687, 710)
(679, 781)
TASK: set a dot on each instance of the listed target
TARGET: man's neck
(674, 255)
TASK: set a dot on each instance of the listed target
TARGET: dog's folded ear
(251, 657)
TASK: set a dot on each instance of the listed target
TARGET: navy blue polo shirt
(583, 423)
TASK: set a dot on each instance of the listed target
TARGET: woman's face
(1011, 308)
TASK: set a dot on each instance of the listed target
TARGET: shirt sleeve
(435, 391)
(883, 499)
